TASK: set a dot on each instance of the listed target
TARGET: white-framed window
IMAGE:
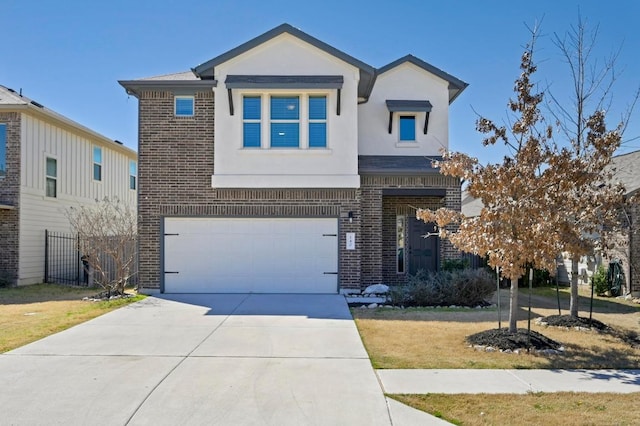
(317, 121)
(97, 163)
(407, 126)
(284, 121)
(251, 127)
(3, 150)
(183, 106)
(133, 174)
(51, 173)
(400, 245)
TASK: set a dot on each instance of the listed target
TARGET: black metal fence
(474, 261)
(64, 264)
(62, 260)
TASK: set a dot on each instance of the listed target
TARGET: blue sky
(68, 55)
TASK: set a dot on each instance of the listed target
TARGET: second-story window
(133, 174)
(51, 182)
(317, 121)
(97, 163)
(184, 106)
(3, 150)
(285, 122)
(407, 128)
(251, 113)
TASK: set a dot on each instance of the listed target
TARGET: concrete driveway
(199, 359)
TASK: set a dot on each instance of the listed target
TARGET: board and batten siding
(75, 187)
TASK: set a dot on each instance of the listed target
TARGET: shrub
(465, 287)
(600, 282)
(450, 265)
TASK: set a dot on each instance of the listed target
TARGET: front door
(423, 251)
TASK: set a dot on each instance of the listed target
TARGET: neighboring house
(626, 246)
(627, 172)
(286, 165)
(49, 163)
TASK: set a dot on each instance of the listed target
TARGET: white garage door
(259, 255)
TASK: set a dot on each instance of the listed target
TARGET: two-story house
(49, 163)
(286, 165)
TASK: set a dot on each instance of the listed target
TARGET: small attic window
(184, 106)
(407, 122)
(407, 128)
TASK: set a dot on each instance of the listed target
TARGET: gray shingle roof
(627, 171)
(396, 164)
(11, 97)
(400, 105)
(184, 75)
(206, 71)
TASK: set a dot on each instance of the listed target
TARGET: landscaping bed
(437, 337)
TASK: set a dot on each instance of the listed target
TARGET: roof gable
(456, 86)
(367, 72)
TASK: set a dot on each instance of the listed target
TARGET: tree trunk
(513, 306)
(573, 306)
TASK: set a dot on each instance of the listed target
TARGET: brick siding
(379, 213)
(634, 250)
(10, 194)
(175, 167)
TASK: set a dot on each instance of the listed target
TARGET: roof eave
(134, 87)
(456, 92)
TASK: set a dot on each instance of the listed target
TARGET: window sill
(407, 145)
(286, 151)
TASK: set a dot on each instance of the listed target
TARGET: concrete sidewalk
(508, 381)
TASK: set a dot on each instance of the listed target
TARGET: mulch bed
(503, 339)
(573, 322)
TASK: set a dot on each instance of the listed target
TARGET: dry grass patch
(32, 312)
(564, 408)
(435, 338)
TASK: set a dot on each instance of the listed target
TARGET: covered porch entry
(409, 244)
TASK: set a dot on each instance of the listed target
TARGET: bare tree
(589, 199)
(107, 235)
(516, 226)
(543, 199)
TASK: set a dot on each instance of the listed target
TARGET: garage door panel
(251, 255)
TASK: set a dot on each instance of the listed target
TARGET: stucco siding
(405, 82)
(333, 166)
